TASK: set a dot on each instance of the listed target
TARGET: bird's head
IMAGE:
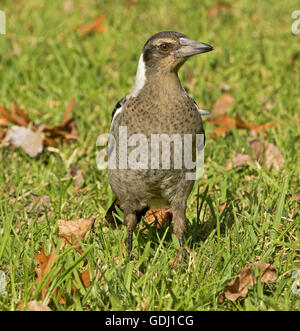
(167, 51)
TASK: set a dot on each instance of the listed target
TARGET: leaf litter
(72, 233)
(30, 136)
(225, 124)
(262, 152)
(238, 287)
(95, 26)
(223, 104)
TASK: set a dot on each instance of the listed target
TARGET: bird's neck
(164, 83)
(160, 83)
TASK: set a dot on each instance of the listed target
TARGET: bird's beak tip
(192, 47)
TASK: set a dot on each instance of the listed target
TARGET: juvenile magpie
(157, 104)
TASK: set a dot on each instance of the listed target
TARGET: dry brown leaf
(266, 151)
(95, 26)
(238, 161)
(67, 113)
(222, 206)
(262, 151)
(76, 175)
(238, 287)
(85, 279)
(66, 130)
(296, 197)
(45, 263)
(11, 116)
(36, 306)
(159, 217)
(225, 123)
(17, 111)
(3, 121)
(214, 10)
(31, 142)
(223, 104)
(69, 231)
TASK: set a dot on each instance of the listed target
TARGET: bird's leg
(130, 220)
(129, 248)
(179, 224)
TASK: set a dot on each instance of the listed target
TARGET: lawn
(45, 62)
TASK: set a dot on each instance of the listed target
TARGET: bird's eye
(164, 47)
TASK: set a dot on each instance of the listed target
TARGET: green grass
(42, 60)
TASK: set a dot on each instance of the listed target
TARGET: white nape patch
(115, 116)
(140, 78)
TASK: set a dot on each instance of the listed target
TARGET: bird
(157, 105)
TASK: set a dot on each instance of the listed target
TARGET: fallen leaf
(12, 116)
(262, 151)
(45, 263)
(296, 197)
(66, 130)
(238, 287)
(85, 279)
(36, 306)
(76, 175)
(223, 104)
(31, 142)
(238, 161)
(215, 10)
(95, 26)
(67, 113)
(158, 217)
(222, 206)
(225, 123)
(70, 231)
(265, 151)
(17, 111)
(3, 121)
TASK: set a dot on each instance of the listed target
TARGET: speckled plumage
(161, 106)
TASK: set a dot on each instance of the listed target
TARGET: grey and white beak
(192, 47)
